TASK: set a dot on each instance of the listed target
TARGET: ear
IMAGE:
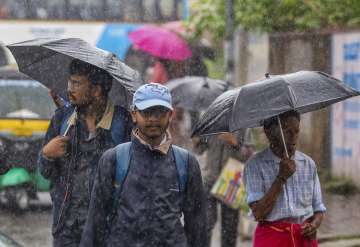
(267, 132)
(133, 116)
(271, 132)
(97, 91)
(171, 116)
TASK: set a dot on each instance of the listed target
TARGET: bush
(340, 186)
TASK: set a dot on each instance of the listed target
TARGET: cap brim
(151, 103)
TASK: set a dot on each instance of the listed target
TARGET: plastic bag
(229, 187)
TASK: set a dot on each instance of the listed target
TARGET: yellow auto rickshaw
(25, 112)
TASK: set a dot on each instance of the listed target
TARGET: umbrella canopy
(302, 91)
(215, 119)
(48, 60)
(160, 42)
(194, 92)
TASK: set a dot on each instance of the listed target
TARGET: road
(32, 228)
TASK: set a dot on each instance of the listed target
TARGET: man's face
(152, 122)
(80, 90)
(291, 129)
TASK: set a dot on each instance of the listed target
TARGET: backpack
(117, 128)
(123, 153)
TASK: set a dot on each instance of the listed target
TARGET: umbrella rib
(293, 97)
(337, 99)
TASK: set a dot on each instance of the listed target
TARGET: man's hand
(56, 148)
(287, 168)
(228, 138)
(309, 230)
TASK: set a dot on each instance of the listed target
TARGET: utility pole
(105, 10)
(67, 14)
(229, 43)
(175, 10)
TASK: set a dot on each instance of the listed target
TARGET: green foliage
(340, 186)
(216, 67)
(208, 15)
(275, 15)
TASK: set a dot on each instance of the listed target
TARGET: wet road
(32, 228)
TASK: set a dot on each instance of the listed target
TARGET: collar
(106, 120)
(270, 156)
(162, 148)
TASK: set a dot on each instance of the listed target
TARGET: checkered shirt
(301, 194)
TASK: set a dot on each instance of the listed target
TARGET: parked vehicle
(25, 111)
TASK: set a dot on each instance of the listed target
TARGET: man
(219, 149)
(156, 187)
(76, 138)
(284, 193)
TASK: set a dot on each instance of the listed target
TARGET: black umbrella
(195, 93)
(48, 60)
(303, 91)
(215, 119)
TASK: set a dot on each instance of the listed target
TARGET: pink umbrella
(160, 42)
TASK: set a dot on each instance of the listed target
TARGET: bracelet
(281, 178)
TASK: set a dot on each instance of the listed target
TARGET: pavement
(342, 243)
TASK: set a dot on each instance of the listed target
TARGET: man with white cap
(144, 187)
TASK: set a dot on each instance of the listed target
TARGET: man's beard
(162, 130)
(82, 108)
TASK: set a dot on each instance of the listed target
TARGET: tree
(275, 15)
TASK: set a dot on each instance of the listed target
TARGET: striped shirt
(300, 196)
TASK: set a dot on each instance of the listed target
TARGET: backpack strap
(123, 154)
(182, 163)
(118, 126)
(122, 164)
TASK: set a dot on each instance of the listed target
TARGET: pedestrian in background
(219, 148)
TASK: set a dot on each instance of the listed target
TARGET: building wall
(345, 117)
(291, 52)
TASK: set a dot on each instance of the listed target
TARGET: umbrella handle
(69, 126)
(282, 137)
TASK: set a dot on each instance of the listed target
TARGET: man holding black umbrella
(76, 139)
(282, 184)
(283, 188)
